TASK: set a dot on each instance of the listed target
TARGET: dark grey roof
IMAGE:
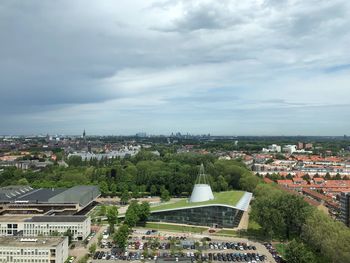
(82, 194)
(14, 192)
(57, 219)
(42, 194)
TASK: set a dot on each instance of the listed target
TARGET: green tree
(297, 252)
(69, 234)
(125, 197)
(153, 190)
(92, 248)
(165, 196)
(112, 217)
(144, 211)
(99, 239)
(103, 187)
(102, 211)
(132, 214)
(248, 182)
(23, 181)
(324, 235)
(121, 236)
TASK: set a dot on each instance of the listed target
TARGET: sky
(228, 67)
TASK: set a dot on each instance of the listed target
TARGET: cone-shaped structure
(201, 191)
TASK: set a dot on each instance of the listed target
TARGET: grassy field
(176, 228)
(227, 198)
(227, 232)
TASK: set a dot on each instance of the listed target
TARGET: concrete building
(345, 208)
(272, 148)
(80, 226)
(30, 250)
(290, 148)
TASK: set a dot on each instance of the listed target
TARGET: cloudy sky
(230, 67)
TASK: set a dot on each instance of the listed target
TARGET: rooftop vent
(28, 240)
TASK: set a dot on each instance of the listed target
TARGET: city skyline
(224, 68)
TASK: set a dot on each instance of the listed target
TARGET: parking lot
(154, 246)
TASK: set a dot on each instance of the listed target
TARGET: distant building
(272, 148)
(300, 145)
(290, 148)
(40, 249)
(308, 146)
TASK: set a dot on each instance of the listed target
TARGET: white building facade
(33, 250)
(80, 226)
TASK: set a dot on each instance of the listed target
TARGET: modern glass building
(212, 214)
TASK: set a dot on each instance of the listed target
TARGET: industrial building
(58, 201)
(203, 208)
(39, 250)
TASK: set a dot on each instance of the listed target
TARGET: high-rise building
(345, 208)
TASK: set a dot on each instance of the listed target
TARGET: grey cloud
(228, 61)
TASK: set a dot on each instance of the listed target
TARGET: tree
(23, 181)
(112, 217)
(121, 236)
(75, 161)
(99, 239)
(324, 235)
(103, 210)
(92, 248)
(328, 176)
(153, 190)
(337, 177)
(103, 187)
(125, 197)
(248, 182)
(69, 234)
(279, 214)
(165, 196)
(306, 177)
(132, 214)
(144, 211)
(297, 252)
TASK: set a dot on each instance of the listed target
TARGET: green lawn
(227, 198)
(227, 232)
(176, 228)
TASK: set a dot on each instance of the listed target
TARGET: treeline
(314, 236)
(143, 173)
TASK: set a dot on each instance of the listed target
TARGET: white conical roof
(201, 191)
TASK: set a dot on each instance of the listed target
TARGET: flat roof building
(25, 226)
(30, 250)
(26, 200)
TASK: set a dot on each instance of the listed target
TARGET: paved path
(80, 250)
